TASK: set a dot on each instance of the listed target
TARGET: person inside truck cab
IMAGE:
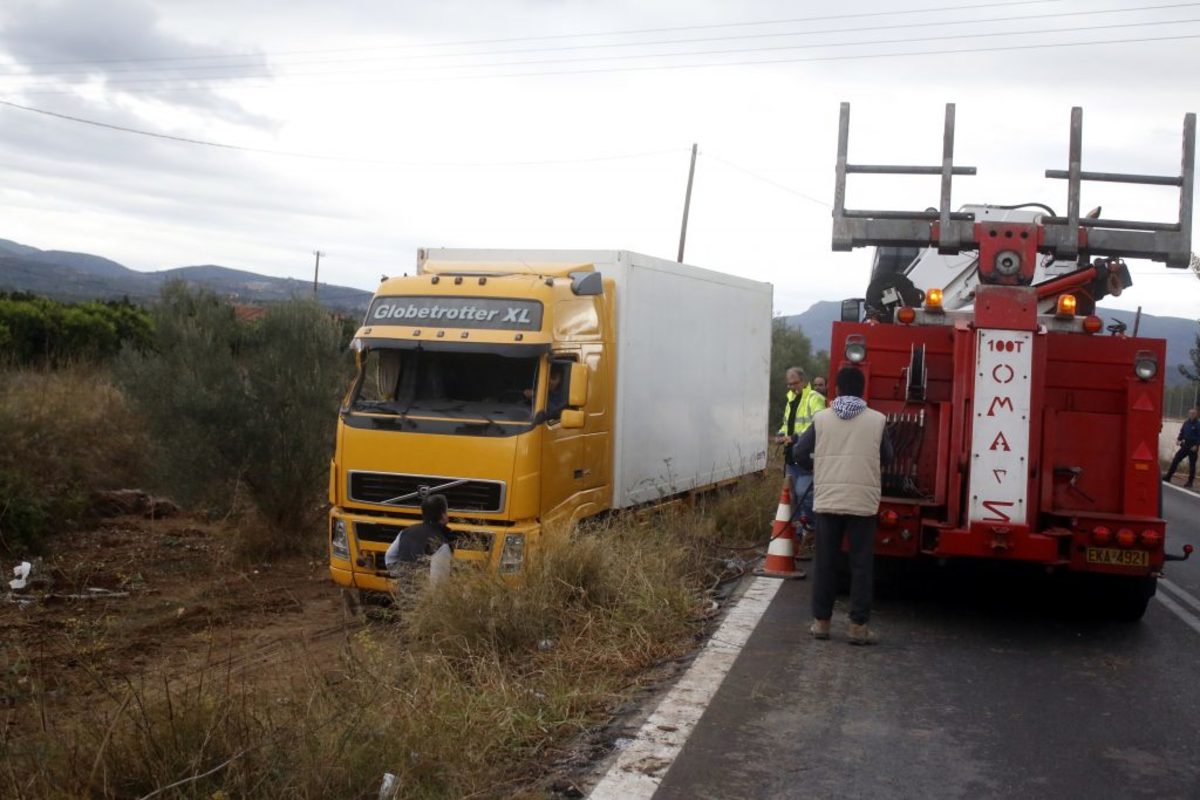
(556, 395)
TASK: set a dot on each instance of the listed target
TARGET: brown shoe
(804, 549)
(819, 629)
(861, 635)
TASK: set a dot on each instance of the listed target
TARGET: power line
(261, 64)
(765, 179)
(729, 51)
(548, 37)
(814, 59)
(655, 67)
(344, 159)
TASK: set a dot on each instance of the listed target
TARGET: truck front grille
(372, 532)
(381, 487)
(473, 540)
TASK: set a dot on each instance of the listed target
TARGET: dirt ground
(148, 601)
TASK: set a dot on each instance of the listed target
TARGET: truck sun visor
(530, 350)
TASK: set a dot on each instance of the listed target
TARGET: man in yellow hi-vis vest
(799, 408)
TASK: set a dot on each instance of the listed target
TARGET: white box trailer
(693, 355)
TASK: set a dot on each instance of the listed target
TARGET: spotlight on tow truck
(1145, 365)
(856, 349)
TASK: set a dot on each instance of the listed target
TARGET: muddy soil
(151, 601)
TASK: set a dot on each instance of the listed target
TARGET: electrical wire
(345, 159)
(765, 179)
(260, 63)
(626, 57)
(549, 37)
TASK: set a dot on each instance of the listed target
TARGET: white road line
(1188, 492)
(1188, 618)
(641, 766)
(1179, 593)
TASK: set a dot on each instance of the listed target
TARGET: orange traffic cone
(781, 554)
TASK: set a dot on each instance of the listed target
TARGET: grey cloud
(66, 43)
(152, 178)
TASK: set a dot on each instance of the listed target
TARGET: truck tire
(1127, 598)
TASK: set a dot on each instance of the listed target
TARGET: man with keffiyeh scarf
(847, 445)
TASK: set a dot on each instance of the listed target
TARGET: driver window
(557, 386)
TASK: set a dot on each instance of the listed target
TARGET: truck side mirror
(577, 390)
(572, 418)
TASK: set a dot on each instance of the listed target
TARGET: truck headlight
(339, 542)
(512, 557)
(1145, 365)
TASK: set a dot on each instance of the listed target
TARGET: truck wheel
(1128, 597)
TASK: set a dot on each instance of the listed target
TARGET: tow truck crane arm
(1007, 251)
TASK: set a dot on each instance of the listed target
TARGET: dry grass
(464, 694)
(63, 433)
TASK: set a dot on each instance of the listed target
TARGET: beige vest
(846, 463)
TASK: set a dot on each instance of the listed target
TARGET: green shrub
(39, 331)
(236, 406)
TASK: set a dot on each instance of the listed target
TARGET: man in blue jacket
(1189, 442)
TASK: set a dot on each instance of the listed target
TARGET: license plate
(1111, 556)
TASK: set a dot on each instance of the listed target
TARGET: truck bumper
(502, 548)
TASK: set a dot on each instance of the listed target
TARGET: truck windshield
(446, 391)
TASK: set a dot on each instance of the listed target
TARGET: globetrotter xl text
(457, 312)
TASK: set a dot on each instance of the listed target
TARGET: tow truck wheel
(1126, 599)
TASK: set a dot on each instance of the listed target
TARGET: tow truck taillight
(888, 518)
(1092, 324)
(1151, 538)
(906, 315)
(1102, 534)
(1126, 537)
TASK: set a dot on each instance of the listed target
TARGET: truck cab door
(564, 468)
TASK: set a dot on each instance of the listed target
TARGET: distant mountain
(1179, 332)
(73, 277)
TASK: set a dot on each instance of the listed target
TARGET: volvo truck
(537, 388)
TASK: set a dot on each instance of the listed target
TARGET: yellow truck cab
(537, 388)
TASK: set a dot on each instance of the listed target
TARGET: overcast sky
(367, 129)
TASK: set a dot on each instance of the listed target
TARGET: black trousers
(1188, 451)
(831, 529)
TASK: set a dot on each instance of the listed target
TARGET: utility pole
(687, 203)
(316, 271)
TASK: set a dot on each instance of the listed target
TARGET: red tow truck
(1022, 432)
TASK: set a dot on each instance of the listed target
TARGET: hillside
(73, 277)
(1179, 333)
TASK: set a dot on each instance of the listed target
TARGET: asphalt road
(983, 686)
